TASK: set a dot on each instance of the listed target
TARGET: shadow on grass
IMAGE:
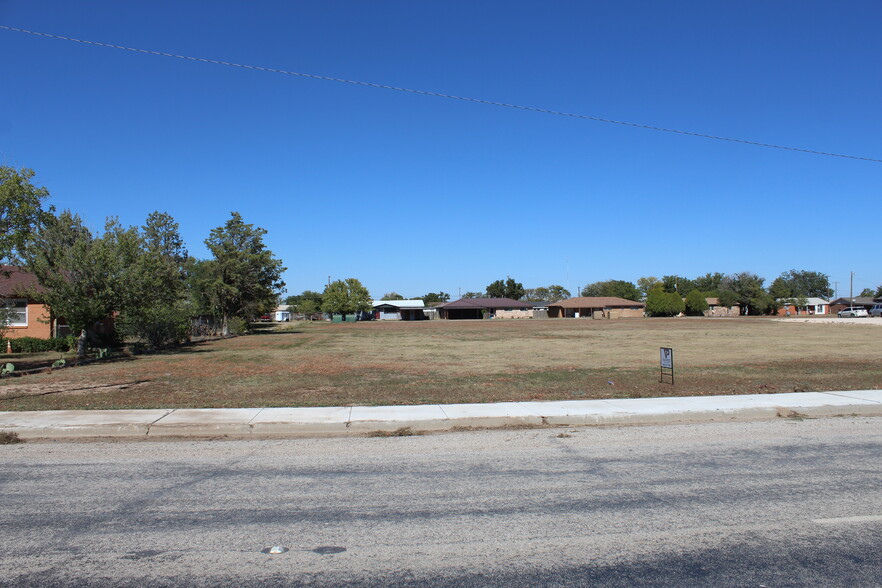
(122, 386)
(263, 332)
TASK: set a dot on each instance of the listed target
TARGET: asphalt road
(784, 503)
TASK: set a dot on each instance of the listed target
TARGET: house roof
(597, 302)
(15, 281)
(865, 300)
(476, 303)
(418, 303)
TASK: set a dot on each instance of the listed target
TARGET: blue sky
(414, 193)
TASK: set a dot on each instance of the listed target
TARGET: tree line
(666, 296)
(142, 275)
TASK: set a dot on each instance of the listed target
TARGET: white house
(398, 310)
(812, 306)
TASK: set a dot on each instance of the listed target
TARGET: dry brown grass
(470, 361)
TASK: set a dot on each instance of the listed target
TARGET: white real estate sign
(666, 358)
(666, 364)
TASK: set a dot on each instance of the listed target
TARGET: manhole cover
(275, 549)
(328, 550)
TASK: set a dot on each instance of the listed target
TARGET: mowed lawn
(322, 364)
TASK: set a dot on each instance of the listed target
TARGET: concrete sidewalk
(358, 420)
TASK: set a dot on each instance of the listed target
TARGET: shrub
(661, 303)
(696, 303)
(236, 325)
(35, 345)
(10, 438)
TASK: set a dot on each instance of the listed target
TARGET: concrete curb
(361, 420)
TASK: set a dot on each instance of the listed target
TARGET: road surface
(784, 503)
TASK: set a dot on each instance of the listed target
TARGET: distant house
(606, 307)
(399, 310)
(478, 308)
(846, 302)
(28, 317)
(813, 306)
(715, 309)
(282, 313)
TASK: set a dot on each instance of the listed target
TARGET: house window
(14, 312)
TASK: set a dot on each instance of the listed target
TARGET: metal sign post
(666, 364)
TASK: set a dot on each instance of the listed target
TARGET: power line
(440, 95)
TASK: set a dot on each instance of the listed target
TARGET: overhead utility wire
(439, 95)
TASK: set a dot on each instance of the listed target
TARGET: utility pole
(835, 290)
(851, 288)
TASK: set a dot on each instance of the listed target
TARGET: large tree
(709, 282)
(614, 288)
(21, 212)
(81, 275)
(781, 289)
(432, 297)
(307, 302)
(347, 296)
(678, 284)
(152, 302)
(805, 283)
(245, 276)
(506, 289)
(747, 290)
(645, 284)
(553, 293)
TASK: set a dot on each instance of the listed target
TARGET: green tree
(347, 296)
(801, 283)
(645, 284)
(781, 289)
(727, 298)
(677, 284)
(867, 292)
(21, 212)
(307, 302)
(506, 289)
(661, 303)
(496, 289)
(474, 295)
(696, 303)
(553, 293)
(709, 282)
(616, 288)
(80, 274)
(152, 301)
(433, 297)
(879, 290)
(392, 296)
(513, 289)
(246, 278)
(748, 292)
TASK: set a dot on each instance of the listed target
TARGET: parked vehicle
(876, 310)
(853, 312)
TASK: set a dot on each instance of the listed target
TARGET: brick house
(813, 306)
(19, 293)
(599, 307)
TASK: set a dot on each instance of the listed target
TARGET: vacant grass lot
(320, 364)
